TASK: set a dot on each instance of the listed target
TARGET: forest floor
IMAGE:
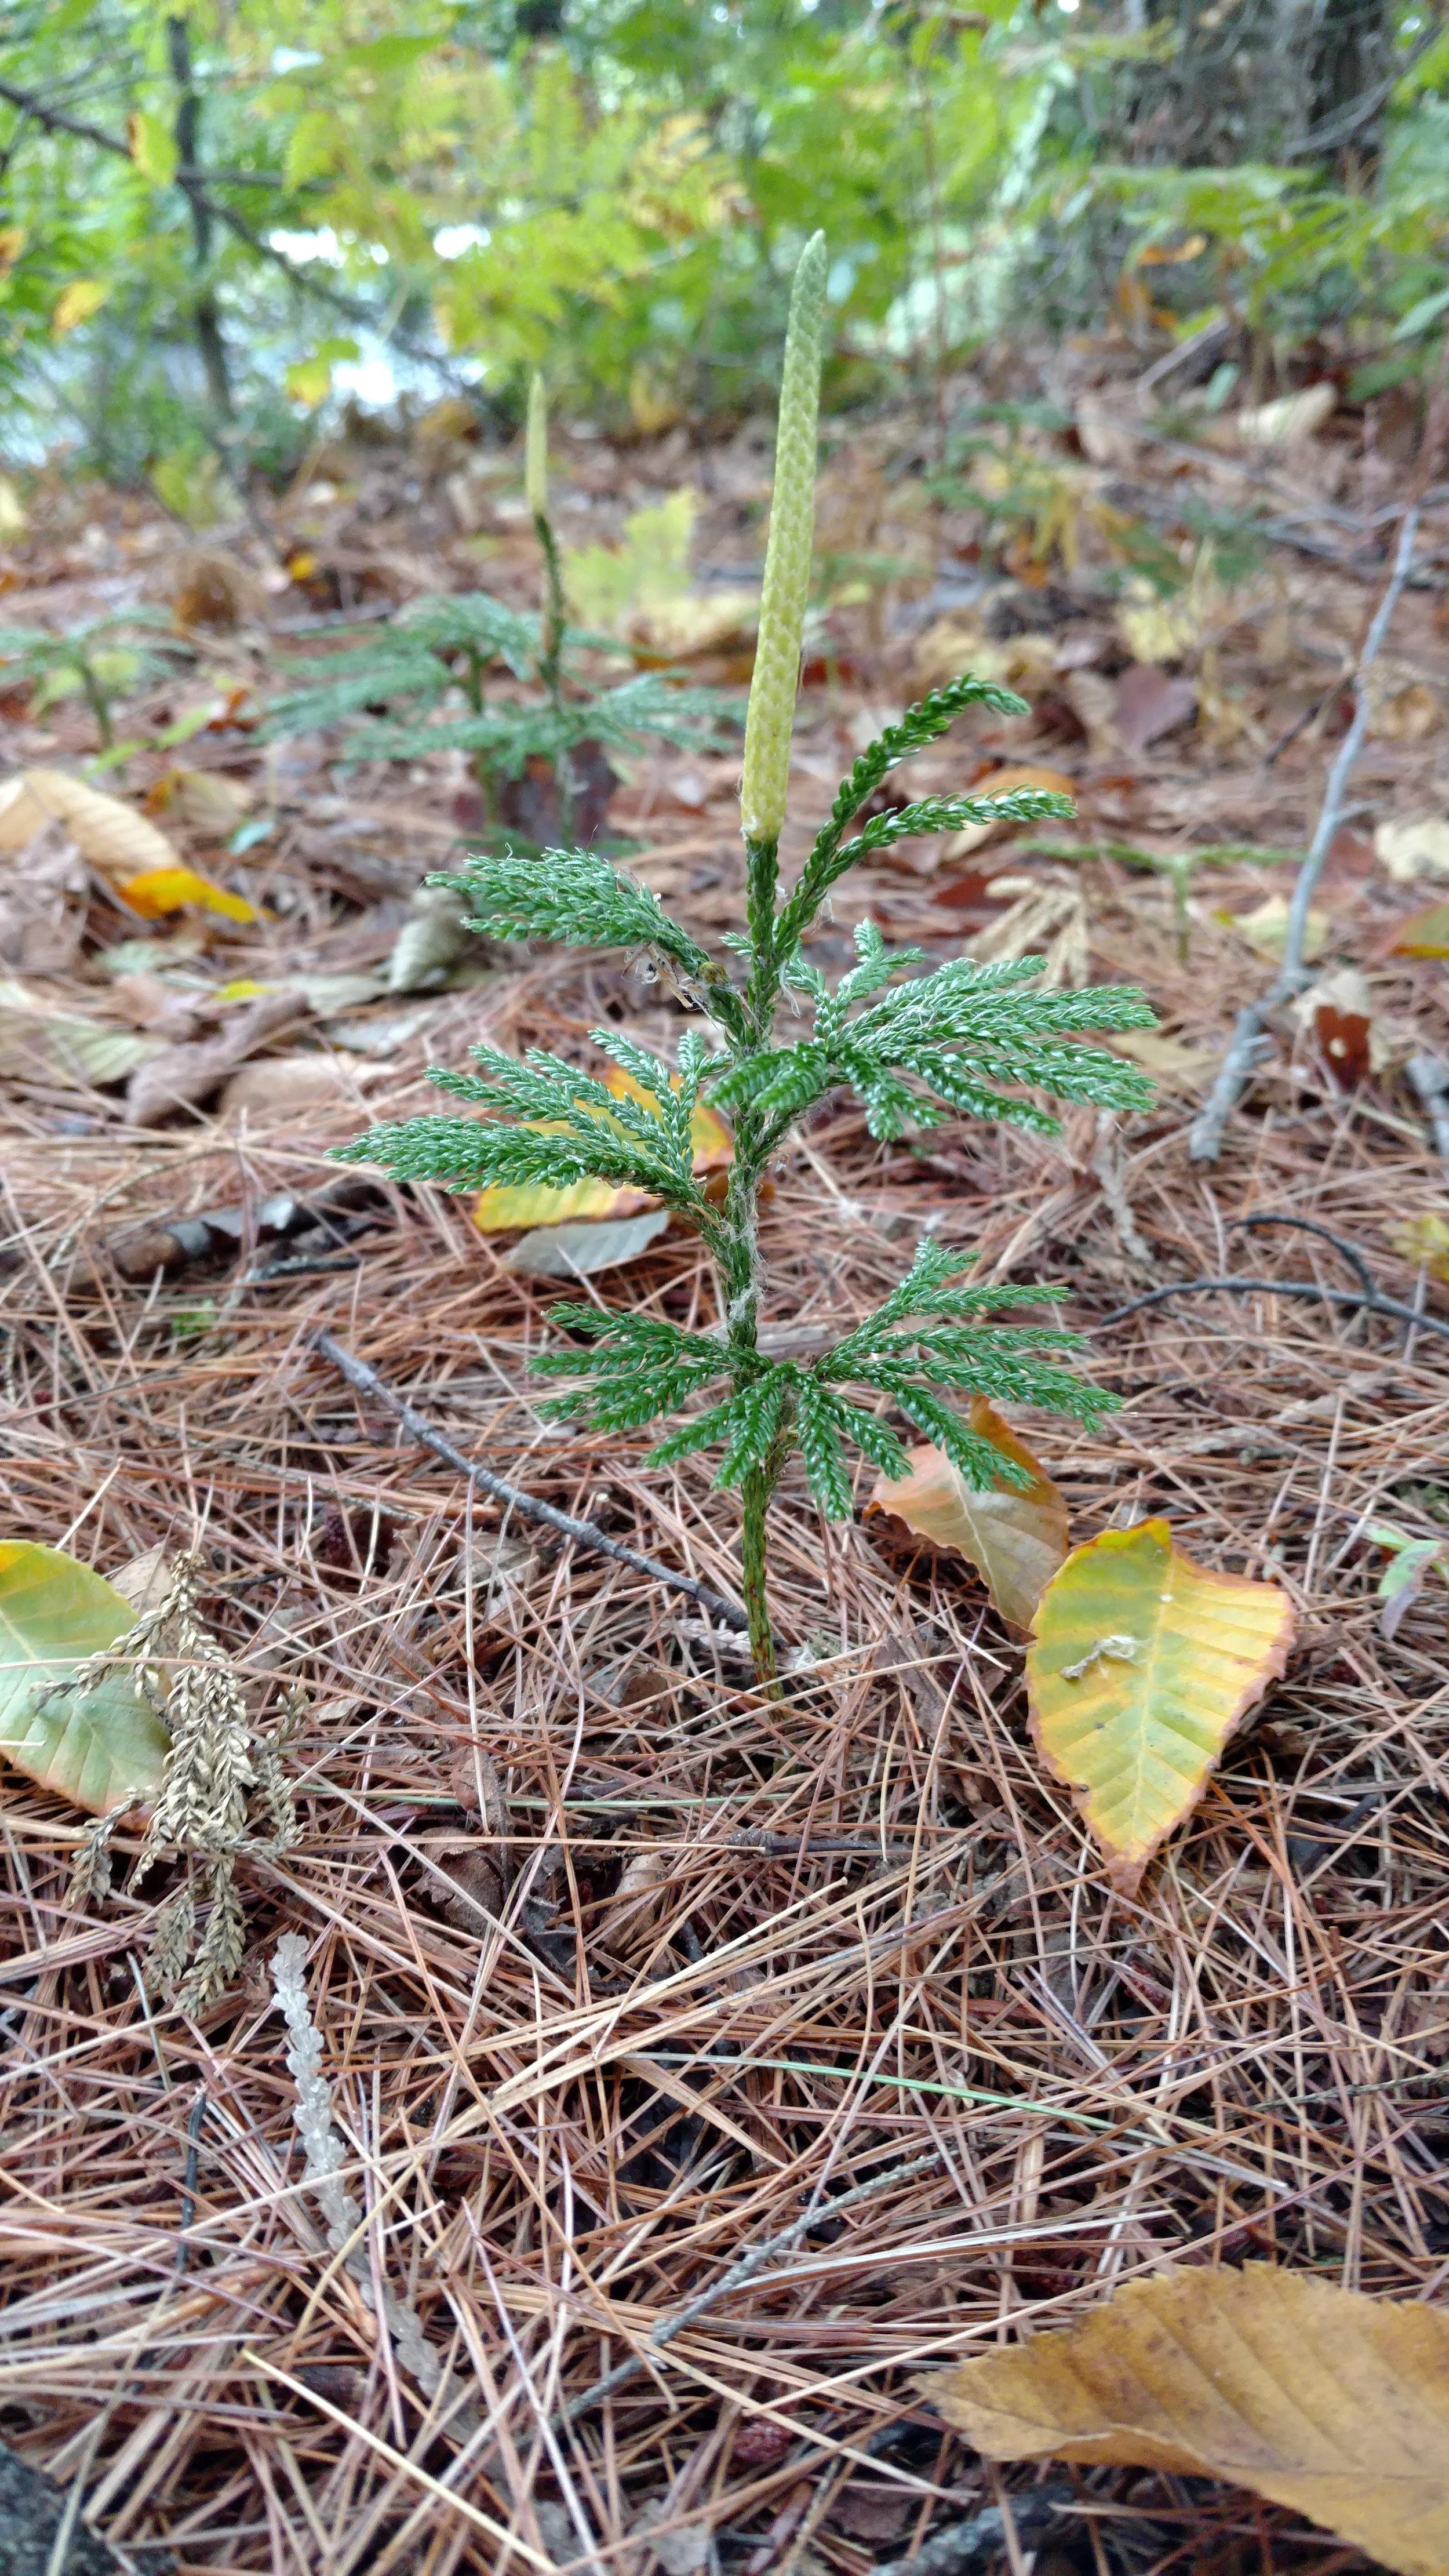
(719, 1961)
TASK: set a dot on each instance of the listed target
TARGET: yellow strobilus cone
(771, 715)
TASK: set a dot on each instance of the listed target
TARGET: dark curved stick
(528, 1506)
(1346, 1251)
(1375, 1303)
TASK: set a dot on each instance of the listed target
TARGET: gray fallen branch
(529, 1507)
(1249, 1041)
(744, 2270)
(1373, 1305)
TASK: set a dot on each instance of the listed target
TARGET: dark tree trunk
(1263, 80)
(210, 339)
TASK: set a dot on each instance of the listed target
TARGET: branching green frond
(473, 621)
(1008, 1377)
(877, 966)
(702, 1432)
(818, 1431)
(630, 1368)
(327, 692)
(757, 1412)
(983, 1465)
(574, 897)
(918, 726)
(674, 1096)
(474, 1153)
(615, 1338)
(945, 814)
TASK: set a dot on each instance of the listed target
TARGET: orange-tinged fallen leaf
(1141, 1666)
(509, 1204)
(1316, 2397)
(160, 890)
(1423, 934)
(1015, 1536)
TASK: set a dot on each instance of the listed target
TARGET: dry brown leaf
(1280, 423)
(1419, 848)
(294, 1082)
(202, 801)
(213, 589)
(1316, 2397)
(1016, 1537)
(1149, 704)
(113, 839)
(42, 904)
(182, 1075)
(1172, 1063)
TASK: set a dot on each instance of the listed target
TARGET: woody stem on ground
(1249, 1042)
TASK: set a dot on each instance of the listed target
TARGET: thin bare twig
(744, 2270)
(530, 1507)
(1373, 1305)
(1249, 1040)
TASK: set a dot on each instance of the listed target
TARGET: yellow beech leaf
(153, 148)
(103, 1748)
(1423, 1239)
(159, 890)
(1015, 1536)
(1318, 2398)
(76, 303)
(509, 1204)
(1141, 1666)
(110, 836)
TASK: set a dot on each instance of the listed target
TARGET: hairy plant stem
(739, 1251)
(550, 669)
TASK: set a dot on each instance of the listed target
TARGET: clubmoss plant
(390, 685)
(964, 1037)
(108, 659)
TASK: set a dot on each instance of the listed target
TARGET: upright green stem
(97, 701)
(550, 667)
(755, 1497)
(473, 692)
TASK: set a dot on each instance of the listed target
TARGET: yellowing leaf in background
(160, 890)
(1423, 1239)
(153, 148)
(103, 1748)
(1141, 1666)
(309, 382)
(508, 1204)
(1316, 2397)
(110, 836)
(1423, 934)
(1015, 1536)
(76, 303)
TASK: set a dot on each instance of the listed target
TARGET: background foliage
(224, 221)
